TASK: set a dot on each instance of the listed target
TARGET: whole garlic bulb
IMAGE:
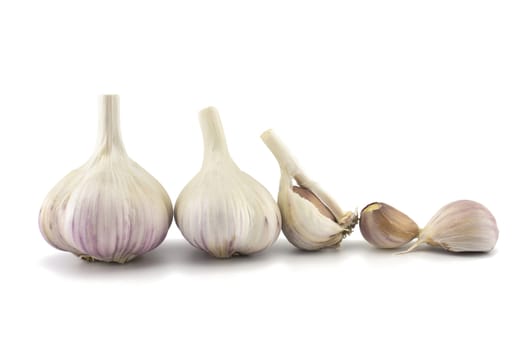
(386, 227)
(223, 210)
(110, 209)
(311, 218)
(461, 226)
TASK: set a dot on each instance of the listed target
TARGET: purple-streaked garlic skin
(109, 212)
(462, 226)
(383, 226)
(110, 209)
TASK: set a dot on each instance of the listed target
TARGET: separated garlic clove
(461, 226)
(311, 218)
(223, 210)
(386, 227)
(110, 209)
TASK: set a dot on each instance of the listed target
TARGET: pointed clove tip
(372, 207)
(415, 245)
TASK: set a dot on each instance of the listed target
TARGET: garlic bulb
(386, 227)
(223, 210)
(109, 209)
(461, 226)
(311, 218)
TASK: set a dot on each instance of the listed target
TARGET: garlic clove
(386, 227)
(461, 226)
(312, 220)
(110, 209)
(222, 210)
(305, 193)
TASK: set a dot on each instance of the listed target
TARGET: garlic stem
(214, 140)
(109, 137)
(282, 154)
(290, 165)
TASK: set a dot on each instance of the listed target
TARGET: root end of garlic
(349, 220)
(92, 259)
(87, 258)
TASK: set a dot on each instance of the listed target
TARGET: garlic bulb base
(92, 259)
(87, 258)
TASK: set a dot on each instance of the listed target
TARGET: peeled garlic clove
(461, 226)
(109, 209)
(311, 218)
(386, 227)
(223, 210)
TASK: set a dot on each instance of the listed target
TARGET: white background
(414, 103)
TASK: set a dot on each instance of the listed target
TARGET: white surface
(407, 102)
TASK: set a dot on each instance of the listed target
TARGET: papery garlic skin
(222, 210)
(303, 225)
(461, 226)
(313, 221)
(384, 226)
(110, 209)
